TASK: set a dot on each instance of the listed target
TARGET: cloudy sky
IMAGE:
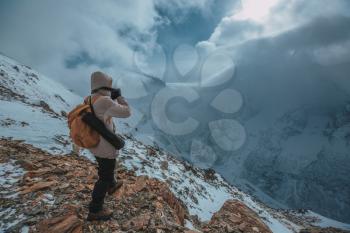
(67, 40)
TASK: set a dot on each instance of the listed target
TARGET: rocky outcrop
(67, 223)
(159, 191)
(53, 194)
(235, 217)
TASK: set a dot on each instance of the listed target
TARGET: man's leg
(115, 184)
(105, 179)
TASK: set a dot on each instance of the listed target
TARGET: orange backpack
(81, 133)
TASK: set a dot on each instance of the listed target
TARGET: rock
(64, 186)
(37, 186)
(16, 68)
(69, 223)
(59, 171)
(63, 113)
(27, 165)
(151, 152)
(164, 165)
(209, 174)
(45, 106)
(234, 216)
(137, 223)
(24, 124)
(38, 172)
(161, 189)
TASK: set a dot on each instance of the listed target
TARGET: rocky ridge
(53, 192)
(50, 193)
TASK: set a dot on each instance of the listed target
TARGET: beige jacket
(105, 109)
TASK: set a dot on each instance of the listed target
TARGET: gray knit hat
(100, 79)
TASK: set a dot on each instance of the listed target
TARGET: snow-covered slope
(31, 109)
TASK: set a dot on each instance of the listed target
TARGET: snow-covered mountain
(295, 113)
(33, 109)
(298, 125)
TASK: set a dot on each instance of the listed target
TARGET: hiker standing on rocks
(107, 103)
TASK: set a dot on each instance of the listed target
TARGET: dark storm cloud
(288, 70)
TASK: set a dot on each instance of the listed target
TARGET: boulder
(69, 223)
(159, 189)
(234, 216)
(38, 186)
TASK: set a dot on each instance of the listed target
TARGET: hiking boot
(115, 187)
(103, 215)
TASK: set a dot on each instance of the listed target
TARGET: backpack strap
(90, 100)
(92, 108)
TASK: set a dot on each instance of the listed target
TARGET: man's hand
(122, 101)
(115, 93)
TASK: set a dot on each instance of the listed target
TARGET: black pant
(105, 181)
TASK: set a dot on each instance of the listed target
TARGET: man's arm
(119, 108)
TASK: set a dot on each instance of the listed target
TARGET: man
(107, 103)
